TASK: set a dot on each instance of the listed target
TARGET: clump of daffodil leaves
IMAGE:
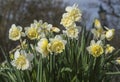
(47, 54)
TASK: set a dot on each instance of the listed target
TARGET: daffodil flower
(109, 34)
(97, 23)
(56, 45)
(32, 32)
(96, 48)
(22, 60)
(66, 20)
(118, 60)
(74, 12)
(109, 49)
(38, 24)
(55, 29)
(72, 32)
(42, 47)
(46, 28)
(15, 32)
(98, 31)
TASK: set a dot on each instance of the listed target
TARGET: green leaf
(113, 73)
(66, 69)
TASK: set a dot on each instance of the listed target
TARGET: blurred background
(23, 12)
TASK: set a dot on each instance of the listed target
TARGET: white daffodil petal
(17, 54)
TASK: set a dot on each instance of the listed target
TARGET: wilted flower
(32, 32)
(110, 34)
(22, 60)
(95, 49)
(56, 45)
(15, 32)
(42, 47)
(109, 49)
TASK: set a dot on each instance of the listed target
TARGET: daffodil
(45, 29)
(15, 32)
(22, 60)
(42, 47)
(109, 49)
(72, 32)
(110, 34)
(98, 33)
(56, 45)
(97, 23)
(55, 29)
(38, 24)
(32, 32)
(74, 12)
(95, 48)
(66, 20)
(118, 60)
(24, 45)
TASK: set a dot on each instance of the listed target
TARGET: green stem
(112, 73)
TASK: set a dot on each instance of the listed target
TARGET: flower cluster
(40, 32)
(100, 34)
(72, 15)
(46, 55)
(47, 43)
(36, 30)
(56, 45)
